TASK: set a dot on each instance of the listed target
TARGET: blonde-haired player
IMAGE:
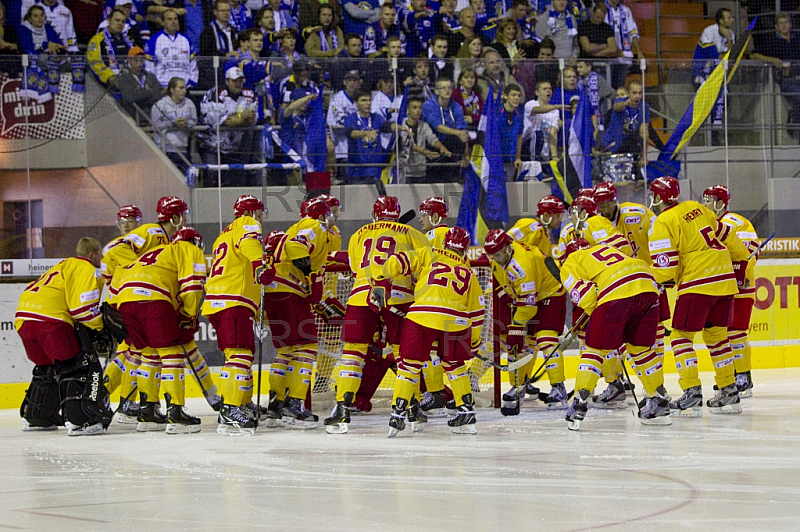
(446, 316)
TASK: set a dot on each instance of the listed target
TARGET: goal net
(339, 281)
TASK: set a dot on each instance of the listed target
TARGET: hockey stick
(635, 400)
(125, 399)
(761, 246)
(196, 376)
(407, 216)
(260, 354)
(564, 343)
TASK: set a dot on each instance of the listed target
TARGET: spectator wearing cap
(108, 49)
(217, 37)
(446, 118)
(137, 87)
(341, 105)
(256, 71)
(176, 114)
(170, 54)
(136, 31)
(235, 107)
(384, 99)
(325, 39)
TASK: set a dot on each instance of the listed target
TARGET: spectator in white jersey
(342, 103)
(626, 33)
(170, 54)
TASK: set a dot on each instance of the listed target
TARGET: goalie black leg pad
(41, 405)
(84, 398)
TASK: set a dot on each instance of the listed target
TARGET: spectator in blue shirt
(36, 36)
(446, 118)
(510, 121)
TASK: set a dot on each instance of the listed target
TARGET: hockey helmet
(317, 207)
(605, 192)
(434, 205)
(586, 203)
(189, 234)
(129, 211)
(247, 202)
(575, 245)
(170, 206)
(273, 240)
(718, 192)
(386, 208)
(549, 205)
(496, 240)
(457, 239)
(666, 189)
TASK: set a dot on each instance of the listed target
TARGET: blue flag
(316, 141)
(580, 140)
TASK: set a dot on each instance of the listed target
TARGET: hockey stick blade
(552, 267)
(761, 246)
(407, 216)
(507, 367)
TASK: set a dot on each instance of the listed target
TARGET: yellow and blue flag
(484, 202)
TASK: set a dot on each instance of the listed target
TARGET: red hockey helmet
(457, 239)
(189, 234)
(434, 205)
(304, 209)
(605, 192)
(247, 202)
(272, 240)
(586, 203)
(575, 245)
(169, 206)
(317, 207)
(665, 188)
(549, 205)
(386, 207)
(129, 211)
(585, 193)
(719, 192)
(332, 201)
(496, 240)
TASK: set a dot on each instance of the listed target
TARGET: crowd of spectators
(360, 57)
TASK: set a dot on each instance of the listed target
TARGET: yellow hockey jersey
(447, 295)
(126, 249)
(566, 236)
(685, 247)
(369, 249)
(634, 221)
(306, 238)
(598, 230)
(533, 234)
(526, 280)
(68, 292)
(436, 236)
(601, 274)
(231, 280)
(747, 234)
(175, 273)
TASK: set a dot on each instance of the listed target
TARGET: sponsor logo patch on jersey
(461, 321)
(516, 233)
(575, 295)
(662, 260)
(308, 233)
(664, 243)
(531, 300)
(482, 301)
(136, 239)
(597, 235)
(199, 268)
(528, 287)
(90, 295)
(517, 269)
(633, 220)
(569, 281)
(218, 304)
(398, 295)
(142, 292)
(155, 231)
(251, 227)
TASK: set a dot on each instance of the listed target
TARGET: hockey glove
(331, 311)
(740, 271)
(315, 284)
(265, 273)
(380, 291)
(515, 339)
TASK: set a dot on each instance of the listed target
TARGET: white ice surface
(526, 473)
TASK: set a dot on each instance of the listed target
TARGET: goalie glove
(331, 311)
(380, 291)
(740, 271)
(515, 339)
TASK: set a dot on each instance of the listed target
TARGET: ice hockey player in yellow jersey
(535, 232)
(159, 297)
(535, 293)
(432, 213)
(369, 249)
(716, 198)
(290, 299)
(594, 228)
(65, 295)
(690, 247)
(446, 316)
(233, 299)
(620, 295)
(567, 233)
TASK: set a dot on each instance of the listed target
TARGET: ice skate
(613, 397)
(397, 420)
(254, 411)
(744, 383)
(450, 407)
(557, 399)
(233, 421)
(179, 422)
(726, 401)
(433, 404)
(690, 403)
(150, 417)
(510, 405)
(464, 421)
(274, 414)
(416, 416)
(577, 410)
(84, 430)
(532, 391)
(339, 419)
(38, 425)
(295, 415)
(128, 412)
(656, 411)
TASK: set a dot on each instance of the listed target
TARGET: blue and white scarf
(113, 62)
(555, 15)
(323, 41)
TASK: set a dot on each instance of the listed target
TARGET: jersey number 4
(440, 270)
(150, 258)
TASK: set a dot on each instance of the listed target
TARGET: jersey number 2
(219, 254)
(460, 283)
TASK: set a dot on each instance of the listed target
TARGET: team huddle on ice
(415, 306)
